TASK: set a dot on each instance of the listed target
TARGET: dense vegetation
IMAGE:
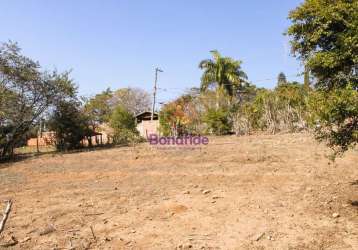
(32, 99)
(27, 93)
(324, 36)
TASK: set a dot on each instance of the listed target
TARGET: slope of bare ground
(252, 192)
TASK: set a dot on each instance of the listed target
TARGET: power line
(175, 90)
(168, 89)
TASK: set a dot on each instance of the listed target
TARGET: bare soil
(250, 192)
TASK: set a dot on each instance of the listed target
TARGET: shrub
(123, 124)
(70, 125)
(282, 109)
(218, 121)
(335, 117)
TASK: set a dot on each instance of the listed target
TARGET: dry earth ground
(251, 192)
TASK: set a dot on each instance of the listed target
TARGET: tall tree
(98, 108)
(224, 72)
(324, 35)
(26, 94)
(134, 100)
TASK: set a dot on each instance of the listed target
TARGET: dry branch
(93, 235)
(5, 215)
(94, 214)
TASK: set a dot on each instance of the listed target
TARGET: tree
(324, 35)
(26, 94)
(98, 108)
(123, 123)
(281, 79)
(134, 100)
(180, 116)
(70, 124)
(224, 72)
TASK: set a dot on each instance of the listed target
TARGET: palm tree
(224, 72)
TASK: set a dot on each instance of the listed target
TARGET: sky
(119, 43)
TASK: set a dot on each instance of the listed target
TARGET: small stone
(186, 192)
(335, 215)
(206, 191)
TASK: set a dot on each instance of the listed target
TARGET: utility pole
(155, 91)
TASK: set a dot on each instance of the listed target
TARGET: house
(94, 138)
(44, 139)
(145, 125)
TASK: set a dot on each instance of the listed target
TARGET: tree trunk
(306, 82)
(89, 139)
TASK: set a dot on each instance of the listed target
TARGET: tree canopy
(224, 72)
(26, 93)
(324, 36)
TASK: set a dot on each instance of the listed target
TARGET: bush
(123, 124)
(218, 121)
(335, 117)
(282, 109)
(70, 125)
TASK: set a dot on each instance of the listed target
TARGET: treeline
(284, 108)
(32, 99)
(324, 36)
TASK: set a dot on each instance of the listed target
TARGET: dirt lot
(252, 192)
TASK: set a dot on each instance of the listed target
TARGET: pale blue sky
(118, 43)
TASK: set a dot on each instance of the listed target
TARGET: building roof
(146, 115)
